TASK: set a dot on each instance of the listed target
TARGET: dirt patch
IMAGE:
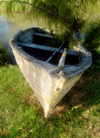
(59, 110)
(32, 99)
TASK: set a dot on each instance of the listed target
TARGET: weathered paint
(47, 81)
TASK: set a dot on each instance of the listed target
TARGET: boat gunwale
(81, 67)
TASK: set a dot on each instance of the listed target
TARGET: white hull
(48, 89)
(49, 84)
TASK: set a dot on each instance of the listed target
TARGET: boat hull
(49, 89)
(48, 82)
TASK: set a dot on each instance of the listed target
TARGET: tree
(73, 15)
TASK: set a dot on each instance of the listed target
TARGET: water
(6, 32)
(10, 26)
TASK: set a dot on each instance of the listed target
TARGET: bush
(4, 60)
(92, 37)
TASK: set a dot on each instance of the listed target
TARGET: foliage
(92, 37)
(4, 60)
(72, 15)
(93, 90)
(95, 59)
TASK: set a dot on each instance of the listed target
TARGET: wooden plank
(41, 47)
(37, 46)
(43, 35)
(62, 60)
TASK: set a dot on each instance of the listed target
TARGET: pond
(9, 26)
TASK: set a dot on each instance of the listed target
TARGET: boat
(41, 64)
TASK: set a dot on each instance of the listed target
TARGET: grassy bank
(21, 115)
(76, 116)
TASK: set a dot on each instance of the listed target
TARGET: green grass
(4, 60)
(21, 115)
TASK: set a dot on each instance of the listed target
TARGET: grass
(76, 116)
(21, 115)
(4, 60)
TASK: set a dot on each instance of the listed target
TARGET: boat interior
(42, 54)
(45, 40)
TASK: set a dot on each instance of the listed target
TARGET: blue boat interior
(41, 54)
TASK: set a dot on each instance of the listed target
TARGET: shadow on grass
(84, 95)
(68, 117)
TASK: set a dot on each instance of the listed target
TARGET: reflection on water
(6, 32)
(9, 26)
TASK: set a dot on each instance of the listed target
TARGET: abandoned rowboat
(48, 81)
